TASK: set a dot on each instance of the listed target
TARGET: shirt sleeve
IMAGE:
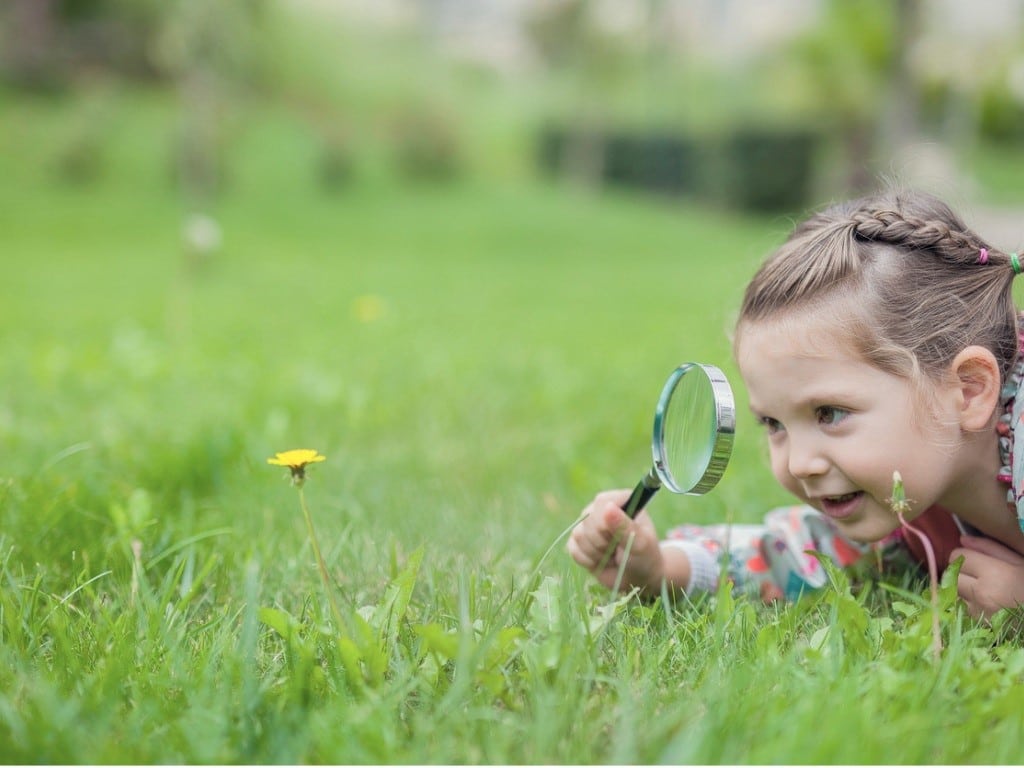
(771, 560)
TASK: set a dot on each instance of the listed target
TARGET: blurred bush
(426, 143)
(45, 42)
(770, 169)
(336, 164)
(657, 161)
(748, 167)
(81, 155)
(1001, 114)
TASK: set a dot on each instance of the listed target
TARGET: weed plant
(475, 362)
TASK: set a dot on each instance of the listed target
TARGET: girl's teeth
(844, 497)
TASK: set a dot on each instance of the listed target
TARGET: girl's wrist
(675, 569)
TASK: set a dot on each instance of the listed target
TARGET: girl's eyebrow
(837, 397)
(757, 413)
(828, 397)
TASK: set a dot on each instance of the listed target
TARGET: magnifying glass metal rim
(725, 429)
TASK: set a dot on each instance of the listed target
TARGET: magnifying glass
(694, 425)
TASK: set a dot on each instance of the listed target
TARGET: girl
(880, 337)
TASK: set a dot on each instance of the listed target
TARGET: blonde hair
(906, 278)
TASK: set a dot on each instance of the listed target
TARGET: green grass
(160, 602)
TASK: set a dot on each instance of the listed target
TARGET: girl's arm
(767, 560)
(770, 560)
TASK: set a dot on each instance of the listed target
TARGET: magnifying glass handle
(642, 494)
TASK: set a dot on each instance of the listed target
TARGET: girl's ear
(977, 375)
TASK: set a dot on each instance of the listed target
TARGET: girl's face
(838, 427)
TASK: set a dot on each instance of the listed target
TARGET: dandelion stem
(933, 579)
(319, 559)
(899, 505)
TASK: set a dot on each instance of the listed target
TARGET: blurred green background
(746, 105)
(455, 246)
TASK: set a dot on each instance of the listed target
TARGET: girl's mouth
(838, 507)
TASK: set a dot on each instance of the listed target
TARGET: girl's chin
(867, 530)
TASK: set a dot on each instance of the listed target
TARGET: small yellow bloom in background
(368, 308)
(296, 460)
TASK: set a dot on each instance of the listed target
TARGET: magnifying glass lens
(690, 428)
(693, 430)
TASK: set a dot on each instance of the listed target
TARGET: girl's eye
(829, 415)
(772, 425)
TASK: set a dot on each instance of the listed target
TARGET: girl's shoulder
(1010, 428)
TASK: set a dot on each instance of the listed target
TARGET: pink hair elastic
(983, 256)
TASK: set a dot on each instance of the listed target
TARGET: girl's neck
(983, 505)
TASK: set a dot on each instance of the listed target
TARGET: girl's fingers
(967, 580)
(590, 536)
(990, 547)
(599, 531)
(602, 529)
(577, 553)
(608, 529)
(966, 570)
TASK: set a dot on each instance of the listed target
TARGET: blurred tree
(904, 123)
(587, 44)
(974, 73)
(46, 42)
(849, 64)
(209, 49)
(30, 32)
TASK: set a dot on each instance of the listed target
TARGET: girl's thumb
(615, 519)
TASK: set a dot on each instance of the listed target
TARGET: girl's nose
(805, 460)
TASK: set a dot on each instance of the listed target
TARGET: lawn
(475, 361)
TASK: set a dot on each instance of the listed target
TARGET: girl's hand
(991, 578)
(599, 543)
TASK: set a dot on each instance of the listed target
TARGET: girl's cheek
(780, 469)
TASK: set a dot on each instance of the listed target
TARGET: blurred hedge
(748, 168)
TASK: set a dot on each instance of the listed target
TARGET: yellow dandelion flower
(296, 460)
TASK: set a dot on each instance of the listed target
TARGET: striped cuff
(704, 570)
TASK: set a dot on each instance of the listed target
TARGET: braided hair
(903, 275)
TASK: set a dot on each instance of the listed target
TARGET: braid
(950, 243)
